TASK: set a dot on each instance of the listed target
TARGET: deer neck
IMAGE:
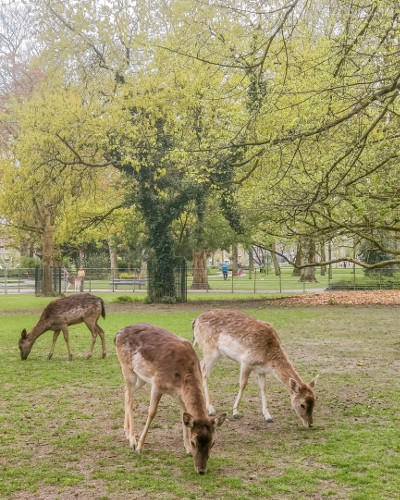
(193, 398)
(36, 331)
(284, 371)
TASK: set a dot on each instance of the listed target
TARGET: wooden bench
(128, 281)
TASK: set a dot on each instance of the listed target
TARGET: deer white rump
(256, 346)
(169, 363)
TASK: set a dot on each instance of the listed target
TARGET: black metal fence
(130, 280)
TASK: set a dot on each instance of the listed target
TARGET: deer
(59, 314)
(254, 344)
(150, 354)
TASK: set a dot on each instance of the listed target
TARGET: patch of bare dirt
(365, 297)
(384, 297)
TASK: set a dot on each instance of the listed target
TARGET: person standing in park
(225, 271)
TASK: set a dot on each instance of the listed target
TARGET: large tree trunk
(161, 265)
(275, 260)
(308, 255)
(47, 253)
(297, 260)
(200, 275)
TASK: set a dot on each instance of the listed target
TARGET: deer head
(201, 433)
(303, 400)
(24, 345)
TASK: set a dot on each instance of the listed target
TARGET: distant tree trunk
(113, 257)
(323, 258)
(330, 258)
(143, 269)
(200, 276)
(47, 253)
(25, 248)
(308, 255)
(275, 260)
(234, 260)
(251, 262)
(213, 259)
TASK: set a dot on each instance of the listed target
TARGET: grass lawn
(62, 422)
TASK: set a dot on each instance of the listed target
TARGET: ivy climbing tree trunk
(161, 266)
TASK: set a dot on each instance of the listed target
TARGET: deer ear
(313, 382)
(188, 420)
(294, 385)
(23, 334)
(217, 421)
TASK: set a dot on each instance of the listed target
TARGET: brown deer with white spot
(59, 314)
(256, 346)
(169, 363)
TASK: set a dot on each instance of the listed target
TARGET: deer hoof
(237, 416)
(104, 355)
(270, 420)
(49, 356)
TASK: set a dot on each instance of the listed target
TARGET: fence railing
(130, 280)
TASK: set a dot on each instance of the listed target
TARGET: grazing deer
(169, 363)
(256, 346)
(59, 314)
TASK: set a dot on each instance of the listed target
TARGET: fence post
(5, 281)
(280, 282)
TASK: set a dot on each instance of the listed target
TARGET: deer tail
(103, 309)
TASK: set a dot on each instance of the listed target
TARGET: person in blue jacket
(225, 271)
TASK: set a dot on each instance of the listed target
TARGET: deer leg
(66, 337)
(154, 400)
(206, 364)
(132, 384)
(244, 377)
(186, 432)
(93, 330)
(262, 384)
(100, 331)
(55, 337)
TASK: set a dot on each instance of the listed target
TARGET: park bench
(128, 281)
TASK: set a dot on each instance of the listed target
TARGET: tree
(36, 198)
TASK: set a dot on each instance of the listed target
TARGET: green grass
(62, 422)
